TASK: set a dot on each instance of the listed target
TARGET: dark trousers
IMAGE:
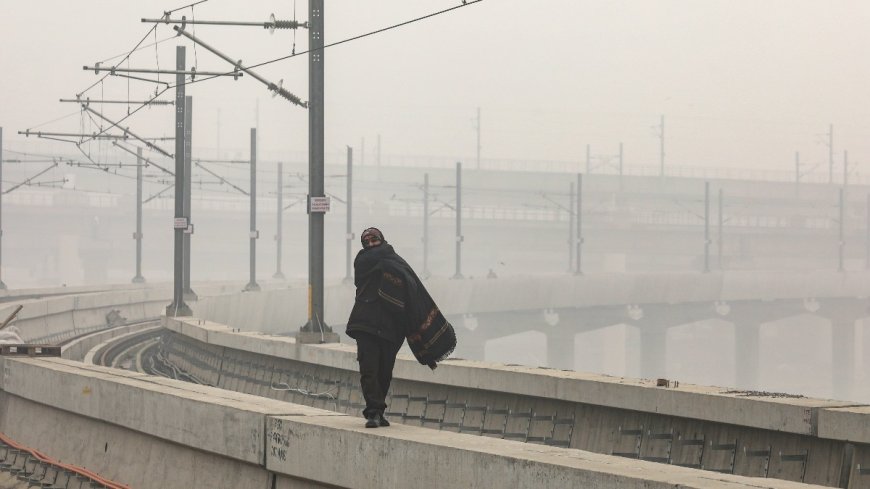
(376, 358)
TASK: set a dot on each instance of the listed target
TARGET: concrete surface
(285, 310)
(846, 423)
(785, 414)
(79, 348)
(228, 423)
(152, 433)
(405, 456)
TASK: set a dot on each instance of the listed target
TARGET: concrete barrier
(791, 414)
(788, 437)
(57, 319)
(58, 314)
(78, 349)
(284, 310)
(159, 433)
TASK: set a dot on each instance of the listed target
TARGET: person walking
(391, 306)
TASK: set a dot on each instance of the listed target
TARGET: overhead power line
(367, 34)
(272, 24)
(27, 181)
(192, 72)
(146, 160)
(128, 102)
(354, 38)
(127, 131)
(276, 88)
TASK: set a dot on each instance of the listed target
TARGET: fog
(736, 92)
(741, 84)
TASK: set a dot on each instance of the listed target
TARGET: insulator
(286, 24)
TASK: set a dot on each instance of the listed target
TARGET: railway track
(142, 353)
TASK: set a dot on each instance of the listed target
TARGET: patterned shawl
(430, 336)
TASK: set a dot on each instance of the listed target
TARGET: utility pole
(348, 277)
(845, 168)
(189, 294)
(662, 147)
(426, 273)
(707, 227)
(378, 159)
(620, 166)
(721, 222)
(459, 237)
(478, 138)
(316, 329)
(579, 216)
(842, 242)
(254, 234)
(178, 306)
(318, 203)
(138, 279)
(2, 285)
(218, 142)
(831, 153)
(797, 167)
(570, 227)
(279, 233)
(362, 152)
(797, 174)
(588, 160)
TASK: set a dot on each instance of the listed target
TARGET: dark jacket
(392, 303)
(371, 313)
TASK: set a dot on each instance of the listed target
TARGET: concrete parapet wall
(54, 320)
(58, 314)
(273, 311)
(284, 310)
(78, 348)
(791, 438)
(158, 433)
(850, 423)
(797, 415)
(411, 457)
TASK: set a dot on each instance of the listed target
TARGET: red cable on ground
(71, 468)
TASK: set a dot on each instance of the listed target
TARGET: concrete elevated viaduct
(750, 433)
(513, 223)
(651, 304)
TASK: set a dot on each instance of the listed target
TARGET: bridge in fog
(513, 223)
(227, 346)
(769, 291)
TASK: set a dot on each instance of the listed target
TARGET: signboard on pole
(318, 204)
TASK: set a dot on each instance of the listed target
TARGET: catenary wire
(152, 29)
(344, 41)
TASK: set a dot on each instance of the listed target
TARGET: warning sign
(318, 204)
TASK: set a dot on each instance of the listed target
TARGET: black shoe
(372, 422)
(382, 421)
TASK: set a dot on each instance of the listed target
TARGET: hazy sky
(741, 83)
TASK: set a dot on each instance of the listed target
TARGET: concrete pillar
(653, 350)
(747, 339)
(472, 340)
(69, 264)
(862, 380)
(560, 350)
(470, 348)
(842, 357)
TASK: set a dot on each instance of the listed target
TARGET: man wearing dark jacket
(391, 304)
(378, 332)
